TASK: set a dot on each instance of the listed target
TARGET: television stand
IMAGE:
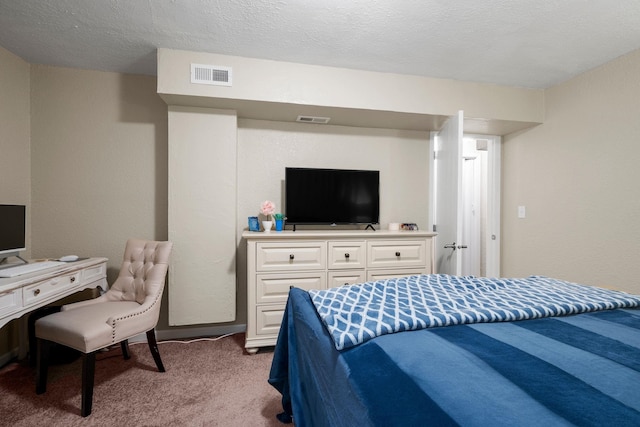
(322, 259)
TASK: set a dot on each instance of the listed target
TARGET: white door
(475, 225)
(448, 196)
(473, 207)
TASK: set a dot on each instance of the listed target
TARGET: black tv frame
(336, 187)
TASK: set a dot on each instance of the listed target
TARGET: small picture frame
(254, 224)
(409, 226)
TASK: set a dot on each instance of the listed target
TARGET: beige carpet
(206, 384)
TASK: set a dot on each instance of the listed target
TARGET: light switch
(522, 213)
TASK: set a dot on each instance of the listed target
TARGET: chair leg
(124, 345)
(153, 346)
(88, 372)
(42, 365)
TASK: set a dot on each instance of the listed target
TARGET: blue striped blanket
(357, 313)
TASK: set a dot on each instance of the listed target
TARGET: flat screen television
(12, 230)
(332, 196)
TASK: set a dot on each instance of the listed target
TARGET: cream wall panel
(202, 215)
(577, 175)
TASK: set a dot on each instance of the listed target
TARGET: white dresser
(277, 261)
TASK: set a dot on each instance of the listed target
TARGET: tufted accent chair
(130, 307)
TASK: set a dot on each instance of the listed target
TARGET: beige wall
(578, 178)
(99, 163)
(15, 177)
(265, 148)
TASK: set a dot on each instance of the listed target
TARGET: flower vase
(267, 226)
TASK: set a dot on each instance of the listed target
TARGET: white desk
(23, 294)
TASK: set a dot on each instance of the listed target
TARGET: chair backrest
(143, 272)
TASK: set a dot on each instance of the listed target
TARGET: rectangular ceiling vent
(211, 75)
(313, 119)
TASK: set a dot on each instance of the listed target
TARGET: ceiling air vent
(211, 75)
(313, 119)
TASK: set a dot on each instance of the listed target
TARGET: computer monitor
(13, 230)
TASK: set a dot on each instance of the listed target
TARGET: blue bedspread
(357, 313)
(579, 369)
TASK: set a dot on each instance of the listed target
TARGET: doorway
(471, 231)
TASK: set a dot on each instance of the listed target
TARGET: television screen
(332, 196)
(12, 228)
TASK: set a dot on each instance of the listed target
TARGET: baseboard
(9, 356)
(196, 332)
(169, 334)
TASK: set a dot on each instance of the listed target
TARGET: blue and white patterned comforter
(354, 314)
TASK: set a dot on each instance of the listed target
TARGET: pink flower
(267, 208)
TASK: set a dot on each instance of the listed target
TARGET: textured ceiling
(528, 43)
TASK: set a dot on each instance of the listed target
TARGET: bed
(568, 356)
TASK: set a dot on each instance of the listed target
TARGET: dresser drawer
(347, 255)
(10, 301)
(398, 253)
(295, 256)
(274, 288)
(37, 292)
(346, 277)
(390, 274)
(268, 319)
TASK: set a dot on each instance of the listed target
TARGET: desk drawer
(291, 256)
(10, 301)
(37, 292)
(398, 253)
(94, 273)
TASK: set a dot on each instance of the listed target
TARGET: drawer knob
(397, 253)
(36, 292)
(73, 279)
(291, 256)
(346, 255)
